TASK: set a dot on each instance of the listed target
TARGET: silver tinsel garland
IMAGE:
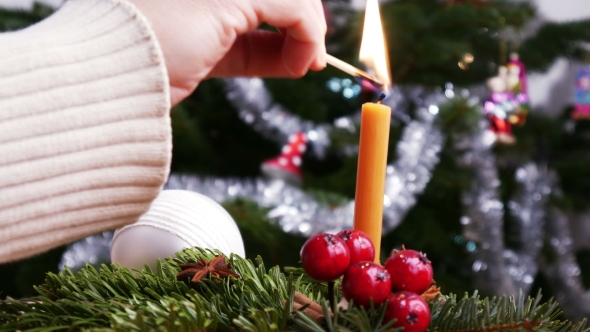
(293, 209)
(497, 269)
(418, 152)
(93, 250)
(297, 212)
(528, 210)
(562, 270)
(256, 108)
(273, 121)
(483, 222)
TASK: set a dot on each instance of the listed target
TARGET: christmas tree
(494, 218)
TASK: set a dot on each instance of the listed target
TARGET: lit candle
(370, 179)
(374, 136)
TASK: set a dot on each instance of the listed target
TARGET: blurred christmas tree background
(538, 186)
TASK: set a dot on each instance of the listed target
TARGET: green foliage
(11, 20)
(318, 106)
(498, 314)
(210, 139)
(18, 278)
(425, 227)
(115, 298)
(427, 39)
(583, 257)
(263, 238)
(459, 116)
(554, 40)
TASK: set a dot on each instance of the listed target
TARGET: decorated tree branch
(246, 297)
(444, 175)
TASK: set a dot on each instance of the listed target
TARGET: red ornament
(286, 166)
(501, 107)
(410, 270)
(360, 245)
(502, 129)
(364, 281)
(410, 310)
(325, 257)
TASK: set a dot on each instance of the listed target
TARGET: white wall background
(550, 91)
(554, 89)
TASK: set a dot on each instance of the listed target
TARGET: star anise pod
(431, 293)
(203, 269)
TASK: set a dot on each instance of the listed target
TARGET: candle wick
(381, 97)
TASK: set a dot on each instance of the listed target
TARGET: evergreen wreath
(115, 298)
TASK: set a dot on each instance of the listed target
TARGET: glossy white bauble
(177, 219)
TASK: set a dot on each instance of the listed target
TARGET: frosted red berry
(325, 257)
(410, 270)
(410, 310)
(364, 281)
(360, 245)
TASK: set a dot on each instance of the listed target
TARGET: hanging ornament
(287, 165)
(177, 219)
(582, 96)
(516, 82)
(500, 105)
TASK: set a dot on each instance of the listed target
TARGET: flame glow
(373, 52)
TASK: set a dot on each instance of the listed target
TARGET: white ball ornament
(177, 219)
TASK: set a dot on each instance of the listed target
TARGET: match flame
(373, 52)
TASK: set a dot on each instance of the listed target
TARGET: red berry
(360, 245)
(325, 257)
(410, 271)
(364, 281)
(410, 310)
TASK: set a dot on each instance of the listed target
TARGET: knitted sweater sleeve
(85, 136)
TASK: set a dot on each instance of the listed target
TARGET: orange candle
(372, 163)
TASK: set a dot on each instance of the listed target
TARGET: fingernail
(319, 62)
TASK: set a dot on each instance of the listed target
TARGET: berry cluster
(406, 274)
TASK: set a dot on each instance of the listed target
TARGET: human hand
(217, 38)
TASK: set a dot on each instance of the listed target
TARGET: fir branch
(114, 298)
(472, 314)
(554, 40)
(460, 115)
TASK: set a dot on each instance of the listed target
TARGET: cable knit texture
(85, 136)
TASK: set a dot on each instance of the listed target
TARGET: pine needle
(114, 298)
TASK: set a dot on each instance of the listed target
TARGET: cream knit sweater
(85, 136)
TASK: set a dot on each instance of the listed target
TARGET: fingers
(299, 56)
(178, 94)
(305, 26)
(319, 9)
(262, 53)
